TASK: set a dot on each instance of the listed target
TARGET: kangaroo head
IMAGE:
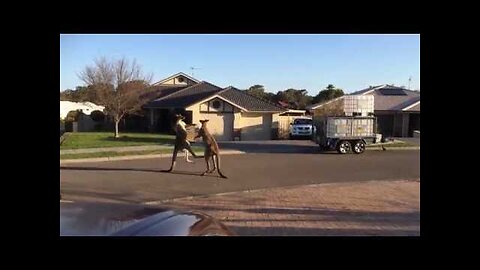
(179, 117)
(204, 122)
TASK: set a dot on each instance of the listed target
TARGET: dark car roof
(113, 219)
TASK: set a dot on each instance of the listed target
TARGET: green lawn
(196, 149)
(80, 140)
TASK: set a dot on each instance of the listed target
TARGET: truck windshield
(302, 122)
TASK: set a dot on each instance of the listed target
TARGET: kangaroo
(181, 142)
(211, 149)
(182, 125)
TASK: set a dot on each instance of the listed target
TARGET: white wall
(86, 107)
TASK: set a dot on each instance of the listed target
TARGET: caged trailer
(345, 133)
(352, 130)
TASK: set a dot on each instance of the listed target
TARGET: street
(141, 181)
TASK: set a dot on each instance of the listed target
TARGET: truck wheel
(343, 147)
(358, 147)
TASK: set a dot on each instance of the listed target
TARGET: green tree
(330, 92)
(257, 91)
(297, 99)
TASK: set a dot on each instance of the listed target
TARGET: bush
(72, 116)
(97, 116)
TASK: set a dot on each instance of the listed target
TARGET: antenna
(409, 82)
(193, 68)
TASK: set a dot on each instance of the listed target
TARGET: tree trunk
(116, 128)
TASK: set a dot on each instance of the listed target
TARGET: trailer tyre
(358, 147)
(344, 147)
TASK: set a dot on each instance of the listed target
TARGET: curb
(227, 152)
(159, 202)
(101, 159)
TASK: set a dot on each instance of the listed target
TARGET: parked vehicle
(349, 131)
(345, 133)
(301, 127)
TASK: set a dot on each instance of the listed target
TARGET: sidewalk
(244, 147)
(379, 208)
(181, 154)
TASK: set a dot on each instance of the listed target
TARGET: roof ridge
(177, 74)
(181, 90)
(210, 84)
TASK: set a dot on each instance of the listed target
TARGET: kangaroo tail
(217, 159)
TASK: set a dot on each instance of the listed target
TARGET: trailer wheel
(344, 147)
(358, 147)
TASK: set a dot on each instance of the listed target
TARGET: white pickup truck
(302, 127)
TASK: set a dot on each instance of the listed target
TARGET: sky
(278, 62)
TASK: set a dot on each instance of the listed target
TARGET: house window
(216, 104)
(180, 79)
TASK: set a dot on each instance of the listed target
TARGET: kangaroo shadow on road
(135, 170)
(274, 148)
(269, 148)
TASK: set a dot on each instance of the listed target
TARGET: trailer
(345, 133)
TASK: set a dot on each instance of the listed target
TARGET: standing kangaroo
(181, 141)
(211, 149)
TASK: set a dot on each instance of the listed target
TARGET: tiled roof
(248, 102)
(159, 91)
(386, 102)
(186, 96)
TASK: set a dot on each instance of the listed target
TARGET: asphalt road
(136, 181)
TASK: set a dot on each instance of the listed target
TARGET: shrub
(72, 116)
(97, 116)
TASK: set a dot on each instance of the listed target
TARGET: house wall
(254, 126)
(397, 124)
(385, 123)
(176, 81)
(220, 124)
(405, 121)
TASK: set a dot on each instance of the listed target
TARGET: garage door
(257, 127)
(221, 126)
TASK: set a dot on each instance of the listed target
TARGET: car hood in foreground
(102, 219)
